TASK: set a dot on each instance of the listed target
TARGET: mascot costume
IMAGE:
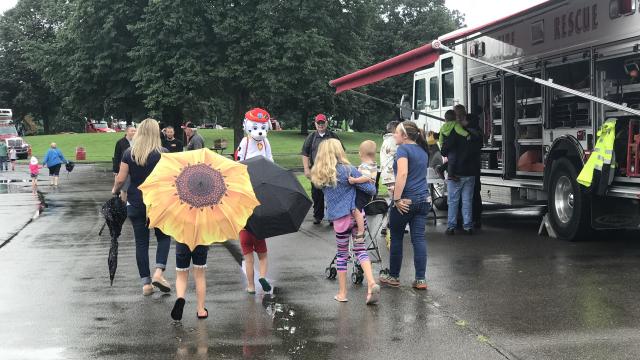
(257, 124)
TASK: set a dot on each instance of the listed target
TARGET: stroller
(377, 208)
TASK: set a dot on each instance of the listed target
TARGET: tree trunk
(239, 108)
(304, 124)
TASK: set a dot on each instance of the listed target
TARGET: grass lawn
(285, 144)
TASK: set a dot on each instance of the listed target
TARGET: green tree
(88, 65)
(174, 56)
(30, 23)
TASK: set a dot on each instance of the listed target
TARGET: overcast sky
(7, 4)
(476, 11)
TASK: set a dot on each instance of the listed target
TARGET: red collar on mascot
(257, 115)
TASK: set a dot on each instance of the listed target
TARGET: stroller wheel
(360, 278)
(327, 272)
(354, 278)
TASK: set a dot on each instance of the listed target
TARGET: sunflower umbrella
(198, 197)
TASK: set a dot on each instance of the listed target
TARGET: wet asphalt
(504, 293)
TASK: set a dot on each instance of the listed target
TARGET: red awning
(418, 58)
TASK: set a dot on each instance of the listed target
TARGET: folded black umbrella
(115, 214)
(283, 201)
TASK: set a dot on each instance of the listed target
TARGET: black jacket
(173, 146)
(476, 142)
(121, 146)
(462, 153)
(311, 144)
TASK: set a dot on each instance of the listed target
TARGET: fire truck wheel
(567, 203)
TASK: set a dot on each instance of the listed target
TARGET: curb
(35, 216)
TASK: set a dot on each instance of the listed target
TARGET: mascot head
(257, 123)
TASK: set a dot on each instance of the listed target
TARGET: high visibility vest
(598, 172)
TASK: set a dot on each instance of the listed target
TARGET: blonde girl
(330, 172)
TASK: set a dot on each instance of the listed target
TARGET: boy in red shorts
(256, 124)
(251, 244)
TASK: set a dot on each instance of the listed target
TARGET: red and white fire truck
(542, 81)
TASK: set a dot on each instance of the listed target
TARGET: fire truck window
(447, 64)
(448, 91)
(567, 110)
(420, 97)
(434, 93)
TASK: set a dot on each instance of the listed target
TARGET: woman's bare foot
(373, 296)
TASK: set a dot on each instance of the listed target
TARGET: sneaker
(389, 280)
(420, 284)
(450, 232)
(317, 221)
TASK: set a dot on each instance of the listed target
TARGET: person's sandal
(389, 280)
(162, 284)
(359, 238)
(178, 308)
(252, 292)
(420, 284)
(203, 316)
(265, 284)
(343, 300)
(147, 290)
(374, 296)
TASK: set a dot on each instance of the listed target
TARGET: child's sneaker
(389, 280)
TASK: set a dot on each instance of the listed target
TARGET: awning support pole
(438, 45)
(399, 106)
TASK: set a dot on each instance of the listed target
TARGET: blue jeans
(457, 191)
(3, 163)
(138, 217)
(417, 220)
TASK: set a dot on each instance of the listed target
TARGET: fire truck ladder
(548, 83)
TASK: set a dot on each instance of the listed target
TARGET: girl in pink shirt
(34, 169)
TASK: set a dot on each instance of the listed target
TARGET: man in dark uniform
(309, 151)
(121, 146)
(170, 142)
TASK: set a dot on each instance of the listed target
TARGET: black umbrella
(115, 214)
(283, 202)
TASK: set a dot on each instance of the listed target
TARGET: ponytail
(420, 140)
(415, 134)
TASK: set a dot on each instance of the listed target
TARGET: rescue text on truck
(548, 83)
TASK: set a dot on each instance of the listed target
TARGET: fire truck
(10, 136)
(542, 81)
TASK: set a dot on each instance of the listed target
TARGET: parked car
(98, 127)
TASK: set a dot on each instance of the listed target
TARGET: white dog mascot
(257, 123)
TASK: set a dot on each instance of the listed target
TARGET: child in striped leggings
(330, 172)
